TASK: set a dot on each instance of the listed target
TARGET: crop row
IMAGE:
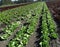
(48, 27)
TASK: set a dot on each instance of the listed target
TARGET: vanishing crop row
(48, 27)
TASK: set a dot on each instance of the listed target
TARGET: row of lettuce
(29, 14)
(48, 27)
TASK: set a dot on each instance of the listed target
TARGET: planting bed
(28, 26)
(54, 8)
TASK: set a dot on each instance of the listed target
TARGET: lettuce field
(31, 25)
